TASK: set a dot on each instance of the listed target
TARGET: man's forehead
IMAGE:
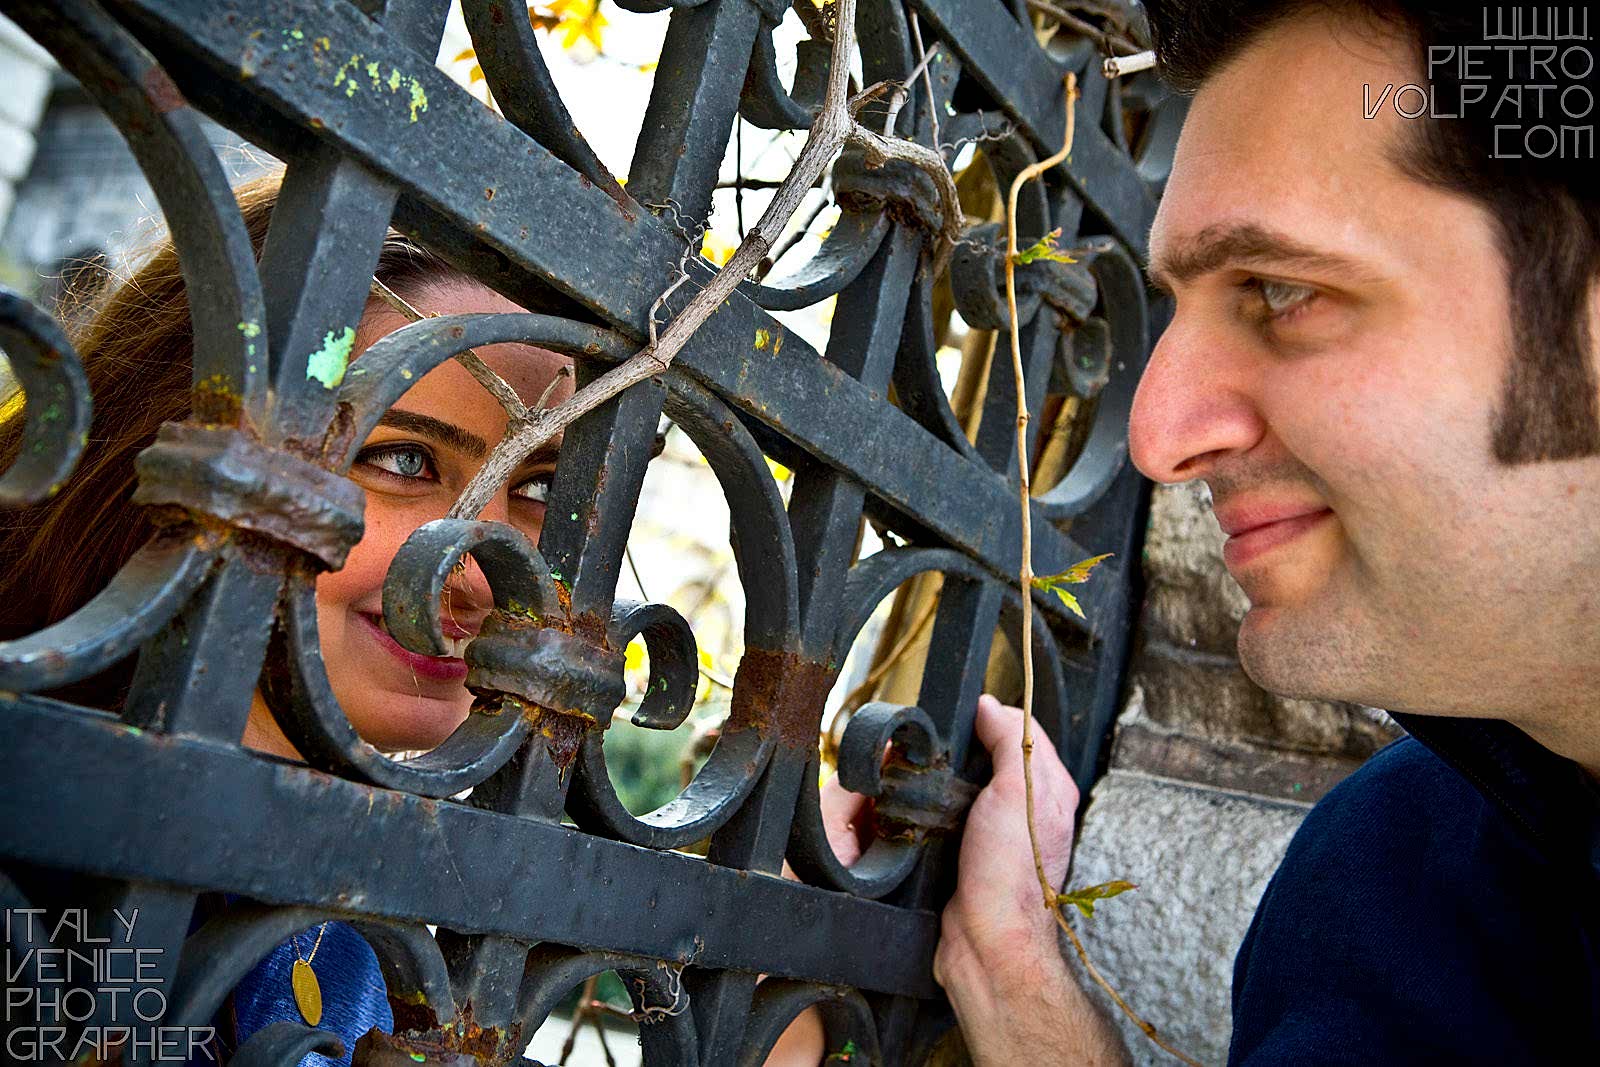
(1277, 156)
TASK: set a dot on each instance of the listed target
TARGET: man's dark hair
(1548, 210)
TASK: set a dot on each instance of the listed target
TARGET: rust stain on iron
(162, 91)
(563, 734)
(776, 689)
(461, 1043)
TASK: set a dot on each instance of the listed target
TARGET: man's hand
(998, 958)
(997, 917)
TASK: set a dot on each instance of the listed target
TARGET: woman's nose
(1193, 408)
(498, 509)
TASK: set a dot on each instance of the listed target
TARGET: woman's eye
(536, 488)
(1280, 298)
(404, 461)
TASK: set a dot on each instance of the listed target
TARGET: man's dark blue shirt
(1441, 905)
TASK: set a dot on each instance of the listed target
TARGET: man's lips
(1254, 531)
(443, 668)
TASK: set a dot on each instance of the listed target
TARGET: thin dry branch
(1107, 41)
(833, 129)
(1026, 577)
(1052, 897)
(922, 67)
(496, 385)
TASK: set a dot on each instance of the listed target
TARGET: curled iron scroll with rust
(894, 753)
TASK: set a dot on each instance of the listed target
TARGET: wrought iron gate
(150, 808)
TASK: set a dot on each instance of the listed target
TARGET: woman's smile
(444, 668)
(412, 467)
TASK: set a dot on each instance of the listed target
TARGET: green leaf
(1068, 599)
(1076, 574)
(844, 1055)
(1084, 899)
(1045, 248)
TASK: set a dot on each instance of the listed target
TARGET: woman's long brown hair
(136, 344)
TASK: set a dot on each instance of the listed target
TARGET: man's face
(1332, 372)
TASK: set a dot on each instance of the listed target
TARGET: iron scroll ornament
(517, 893)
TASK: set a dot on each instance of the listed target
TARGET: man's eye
(402, 461)
(1281, 298)
(536, 488)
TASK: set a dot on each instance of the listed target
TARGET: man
(1382, 362)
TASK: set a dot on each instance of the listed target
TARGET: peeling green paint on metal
(328, 363)
(250, 328)
(347, 75)
(394, 80)
(419, 99)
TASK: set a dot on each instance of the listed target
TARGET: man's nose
(1195, 406)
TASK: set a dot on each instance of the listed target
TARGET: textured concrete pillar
(25, 72)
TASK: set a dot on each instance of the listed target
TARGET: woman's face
(416, 462)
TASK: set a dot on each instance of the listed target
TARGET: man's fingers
(842, 817)
(999, 727)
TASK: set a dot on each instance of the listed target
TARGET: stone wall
(25, 71)
(1209, 777)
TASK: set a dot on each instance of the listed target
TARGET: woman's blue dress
(354, 998)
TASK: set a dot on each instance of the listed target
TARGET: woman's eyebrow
(446, 433)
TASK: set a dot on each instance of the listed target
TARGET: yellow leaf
(594, 27)
(1076, 574)
(578, 20)
(717, 249)
(1069, 600)
(1079, 572)
(779, 471)
(705, 660)
(1045, 248)
(633, 655)
(1084, 899)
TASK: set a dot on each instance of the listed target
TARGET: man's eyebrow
(1244, 243)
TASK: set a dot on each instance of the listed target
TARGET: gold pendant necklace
(303, 980)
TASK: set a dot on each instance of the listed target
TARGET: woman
(136, 347)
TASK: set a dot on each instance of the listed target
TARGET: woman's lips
(443, 668)
(1246, 545)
